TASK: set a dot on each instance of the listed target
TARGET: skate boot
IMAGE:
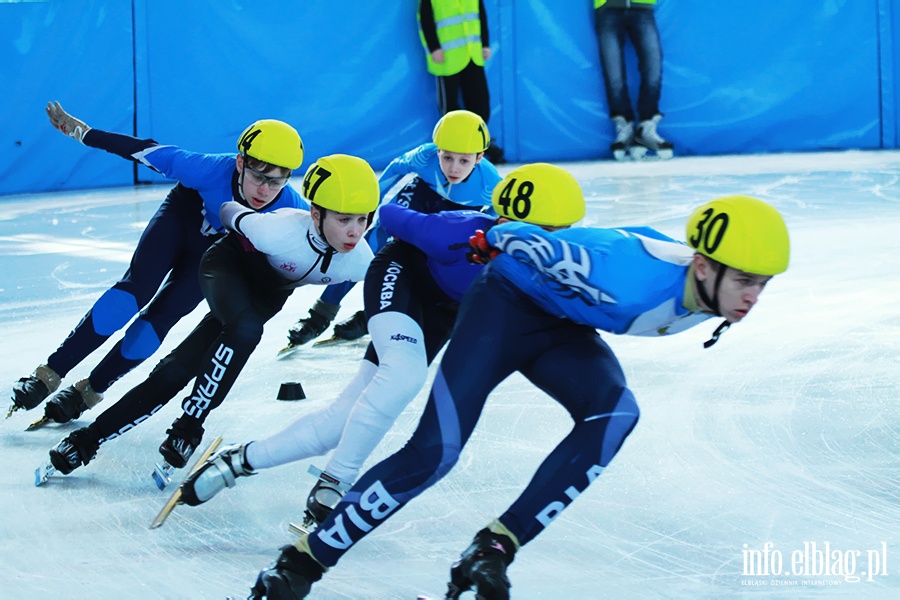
(353, 328)
(184, 437)
(320, 317)
(290, 577)
(218, 472)
(624, 138)
(28, 392)
(322, 499)
(71, 402)
(75, 450)
(483, 566)
(646, 138)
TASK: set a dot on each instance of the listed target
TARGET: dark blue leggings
(499, 331)
(168, 255)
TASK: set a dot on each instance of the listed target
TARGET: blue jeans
(612, 24)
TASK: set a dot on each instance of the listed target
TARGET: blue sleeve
(194, 170)
(574, 258)
(435, 234)
(400, 166)
(126, 146)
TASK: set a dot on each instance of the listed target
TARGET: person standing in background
(454, 34)
(613, 20)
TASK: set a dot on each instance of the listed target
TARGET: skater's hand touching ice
(65, 122)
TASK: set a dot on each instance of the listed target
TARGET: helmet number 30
(310, 187)
(520, 205)
(710, 230)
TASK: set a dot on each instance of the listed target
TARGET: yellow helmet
(461, 131)
(273, 142)
(741, 232)
(539, 193)
(342, 183)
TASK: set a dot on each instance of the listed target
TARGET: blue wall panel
(351, 81)
(78, 53)
(766, 76)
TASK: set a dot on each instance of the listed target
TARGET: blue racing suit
(544, 297)
(427, 192)
(168, 255)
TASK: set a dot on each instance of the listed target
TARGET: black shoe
(483, 566)
(184, 437)
(494, 153)
(353, 328)
(30, 391)
(320, 317)
(75, 450)
(289, 578)
(68, 404)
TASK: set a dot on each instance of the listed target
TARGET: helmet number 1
(320, 175)
(710, 230)
(521, 203)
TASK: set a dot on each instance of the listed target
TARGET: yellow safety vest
(459, 32)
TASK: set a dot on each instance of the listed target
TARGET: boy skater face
(260, 182)
(738, 291)
(342, 230)
(457, 166)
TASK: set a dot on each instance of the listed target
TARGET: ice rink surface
(752, 462)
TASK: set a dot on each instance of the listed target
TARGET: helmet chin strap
(320, 229)
(240, 182)
(713, 303)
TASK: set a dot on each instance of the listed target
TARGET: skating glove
(482, 252)
(65, 122)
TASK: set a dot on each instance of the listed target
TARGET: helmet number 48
(710, 230)
(520, 205)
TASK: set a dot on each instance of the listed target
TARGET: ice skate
(483, 566)
(323, 497)
(624, 138)
(348, 330)
(320, 317)
(183, 438)
(75, 450)
(218, 472)
(30, 391)
(69, 403)
(648, 143)
(291, 576)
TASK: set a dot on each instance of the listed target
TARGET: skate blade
(330, 341)
(620, 154)
(43, 473)
(307, 527)
(175, 498)
(665, 154)
(162, 475)
(12, 408)
(38, 424)
(300, 530)
(287, 351)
